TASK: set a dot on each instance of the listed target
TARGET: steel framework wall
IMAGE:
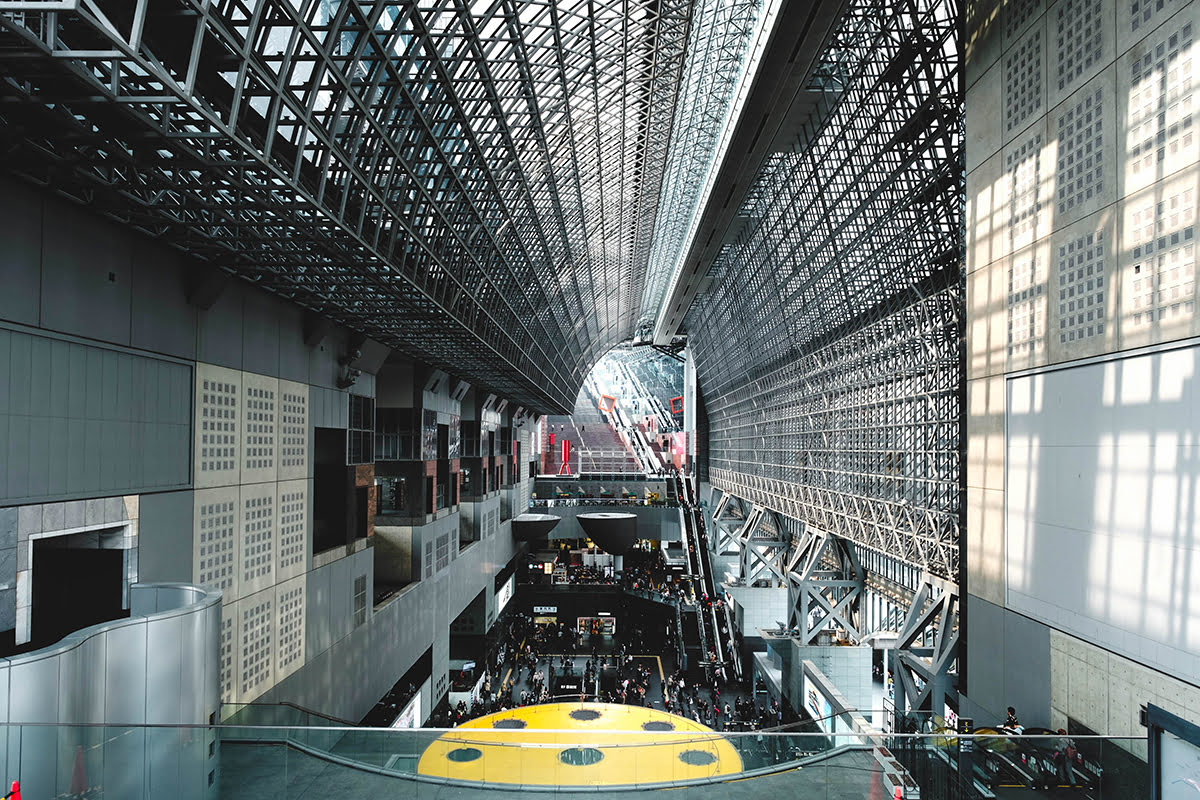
(828, 347)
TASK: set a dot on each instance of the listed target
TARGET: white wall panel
(289, 633)
(216, 542)
(293, 430)
(1103, 496)
(218, 425)
(292, 507)
(256, 667)
(260, 440)
(259, 531)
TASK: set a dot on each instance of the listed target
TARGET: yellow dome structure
(580, 744)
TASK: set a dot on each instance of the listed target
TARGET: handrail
(288, 704)
(940, 736)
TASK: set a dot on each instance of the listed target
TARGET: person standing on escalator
(1011, 720)
(1065, 756)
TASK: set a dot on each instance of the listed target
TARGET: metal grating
(828, 345)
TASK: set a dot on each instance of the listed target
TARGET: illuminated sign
(410, 717)
(505, 594)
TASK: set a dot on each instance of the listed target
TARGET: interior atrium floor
(580, 744)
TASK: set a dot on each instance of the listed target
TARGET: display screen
(410, 717)
(604, 626)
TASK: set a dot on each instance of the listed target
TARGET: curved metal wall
(76, 711)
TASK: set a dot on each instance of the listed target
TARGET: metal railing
(231, 761)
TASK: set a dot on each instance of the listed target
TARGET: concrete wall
(847, 668)
(349, 667)
(113, 385)
(1082, 169)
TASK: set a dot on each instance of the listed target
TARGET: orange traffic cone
(15, 794)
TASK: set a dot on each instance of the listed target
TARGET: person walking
(1065, 755)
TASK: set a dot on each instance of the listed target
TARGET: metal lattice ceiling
(474, 182)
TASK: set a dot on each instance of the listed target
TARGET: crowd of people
(521, 659)
(706, 706)
(647, 572)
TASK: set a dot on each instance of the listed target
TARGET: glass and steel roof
(474, 182)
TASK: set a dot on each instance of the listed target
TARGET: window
(360, 600)
(360, 433)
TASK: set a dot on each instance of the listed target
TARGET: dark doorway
(362, 507)
(73, 587)
(329, 488)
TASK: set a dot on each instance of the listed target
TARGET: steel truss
(927, 648)
(820, 596)
(763, 549)
(474, 183)
(828, 346)
(727, 525)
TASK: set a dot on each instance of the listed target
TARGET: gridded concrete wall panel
(230, 651)
(1158, 270)
(1027, 305)
(259, 434)
(256, 660)
(1080, 43)
(1083, 289)
(259, 525)
(1137, 18)
(290, 626)
(1083, 129)
(217, 541)
(218, 426)
(292, 430)
(293, 509)
(1025, 80)
(1158, 109)
(1019, 15)
(1029, 175)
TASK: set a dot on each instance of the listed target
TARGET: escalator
(672, 495)
(714, 623)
